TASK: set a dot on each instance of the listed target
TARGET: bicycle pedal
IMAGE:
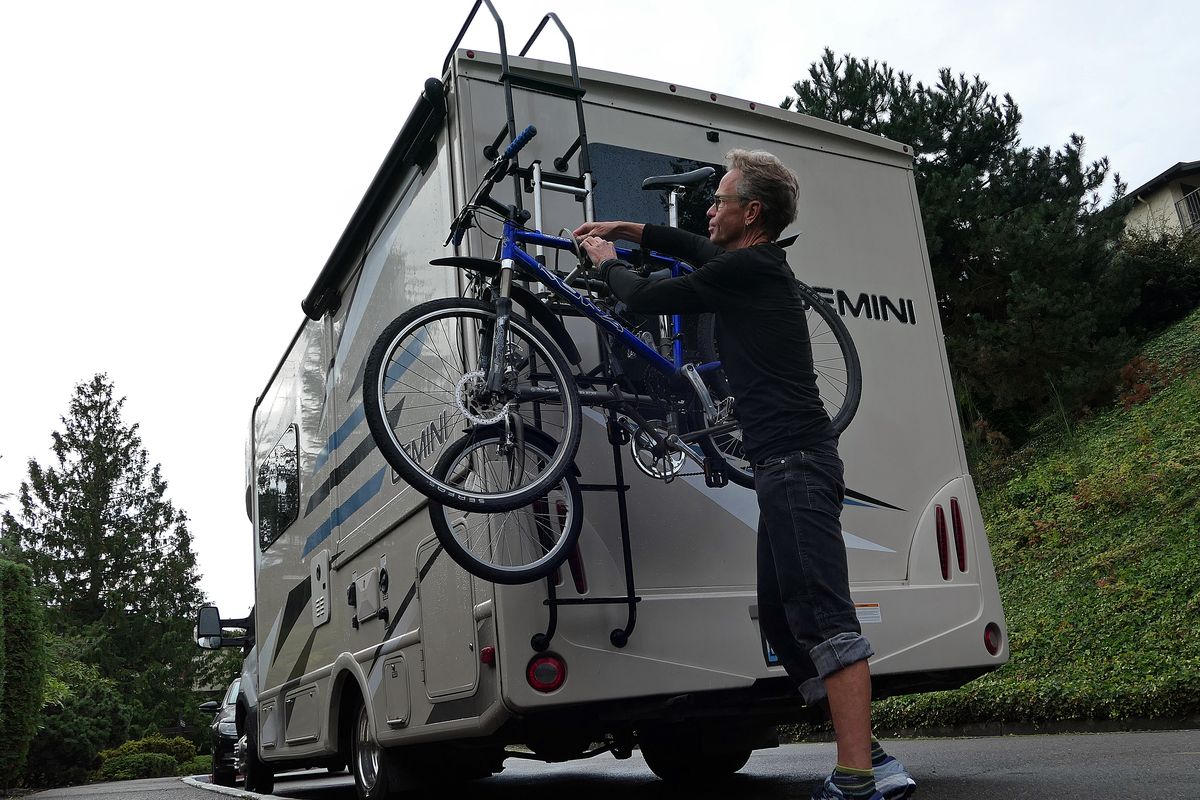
(714, 473)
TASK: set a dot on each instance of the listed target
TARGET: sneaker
(893, 781)
(828, 791)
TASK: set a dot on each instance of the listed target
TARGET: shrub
(200, 765)
(22, 668)
(177, 748)
(1167, 266)
(137, 766)
(73, 733)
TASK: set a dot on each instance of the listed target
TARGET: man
(804, 600)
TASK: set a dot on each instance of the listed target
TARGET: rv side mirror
(208, 628)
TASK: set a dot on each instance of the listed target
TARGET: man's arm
(612, 231)
(687, 294)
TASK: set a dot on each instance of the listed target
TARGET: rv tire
(687, 766)
(376, 770)
(259, 776)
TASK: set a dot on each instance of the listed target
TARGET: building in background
(1169, 201)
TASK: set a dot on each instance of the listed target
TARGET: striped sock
(856, 784)
(877, 755)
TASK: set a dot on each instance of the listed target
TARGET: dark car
(224, 736)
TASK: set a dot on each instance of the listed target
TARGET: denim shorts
(804, 602)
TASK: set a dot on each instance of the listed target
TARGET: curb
(229, 791)
(987, 729)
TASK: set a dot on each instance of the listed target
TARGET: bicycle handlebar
(522, 139)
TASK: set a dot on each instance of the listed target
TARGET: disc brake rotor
(469, 397)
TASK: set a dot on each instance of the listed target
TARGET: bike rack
(536, 180)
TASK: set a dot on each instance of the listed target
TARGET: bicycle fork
(496, 361)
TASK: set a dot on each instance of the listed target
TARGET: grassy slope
(1096, 539)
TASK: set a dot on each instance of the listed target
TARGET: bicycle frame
(511, 255)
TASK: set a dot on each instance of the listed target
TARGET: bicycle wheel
(424, 387)
(835, 358)
(517, 546)
(835, 363)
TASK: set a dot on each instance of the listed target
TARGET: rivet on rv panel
(470, 54)
(712, 97)
(671, 87)
(753, 106)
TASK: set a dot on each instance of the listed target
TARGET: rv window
(279, 488)
(620, 172)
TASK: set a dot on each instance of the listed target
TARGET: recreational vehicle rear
(373, 643)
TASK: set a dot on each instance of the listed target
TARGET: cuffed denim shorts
(804, 602)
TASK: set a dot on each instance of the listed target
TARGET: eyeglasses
(720, 200)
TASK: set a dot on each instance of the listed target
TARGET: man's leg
(849, 692)
(800, 502)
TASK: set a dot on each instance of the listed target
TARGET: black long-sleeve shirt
(762, 332)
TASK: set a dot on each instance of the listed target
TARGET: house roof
(1180, 170)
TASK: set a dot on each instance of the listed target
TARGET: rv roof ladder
(537, 179)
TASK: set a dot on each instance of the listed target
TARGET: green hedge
(22, 667)
(137, 766)
(200, 765)
(178, 748)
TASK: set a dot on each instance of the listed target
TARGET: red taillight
(943, 543)
(960, 536)
(487, 655)
(546, 672)
(992, 638)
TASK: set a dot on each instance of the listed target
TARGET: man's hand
(604, 230)
(597, 249)
(629, 231)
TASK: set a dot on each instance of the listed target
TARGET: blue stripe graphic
(346, 510)
(339, 436)
(397, 368)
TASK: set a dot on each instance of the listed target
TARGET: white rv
(374, 644)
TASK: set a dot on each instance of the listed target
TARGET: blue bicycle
(480, 407)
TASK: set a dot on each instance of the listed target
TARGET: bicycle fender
(525, 298)
(484, 266)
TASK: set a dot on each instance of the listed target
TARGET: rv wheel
(679, 763)
(259, 776)
(687, 768)
(376, 776)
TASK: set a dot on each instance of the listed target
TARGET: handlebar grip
(522, 139)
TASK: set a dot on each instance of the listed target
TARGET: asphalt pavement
(1163, 765)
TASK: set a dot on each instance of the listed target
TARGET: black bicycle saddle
(682, 181)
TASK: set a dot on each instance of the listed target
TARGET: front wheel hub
(476, 403)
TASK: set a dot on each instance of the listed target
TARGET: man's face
(726, 222)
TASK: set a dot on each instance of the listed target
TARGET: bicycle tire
(429, 355)
(835, 362)
(518, 546)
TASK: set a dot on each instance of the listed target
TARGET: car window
(231, 695)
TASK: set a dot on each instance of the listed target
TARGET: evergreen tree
(112, 555)
(1020, 245)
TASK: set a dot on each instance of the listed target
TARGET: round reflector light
(546, 672)
(992, 639)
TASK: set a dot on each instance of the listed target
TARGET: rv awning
(412, 146)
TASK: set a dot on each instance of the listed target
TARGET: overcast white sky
(174, 174)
